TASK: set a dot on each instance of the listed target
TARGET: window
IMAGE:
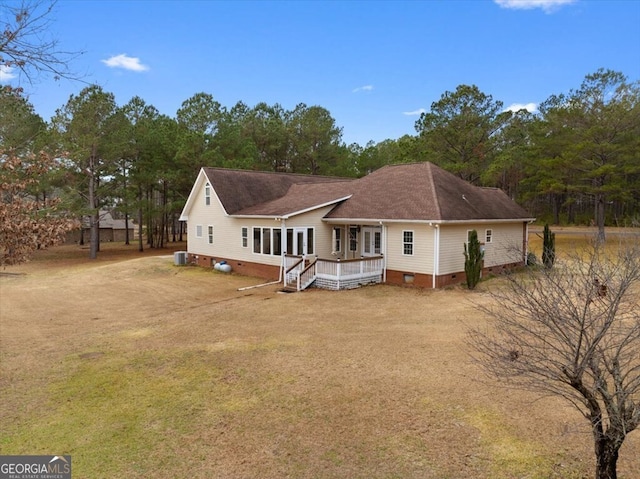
(198, 231)
(245, 236)
(289, 240)
(488, 236)
(407, 242)
(377, 242)
(257, 243)
(277, 241)
(309, 240)
(337, 240)
(266, 240)
(353, 239)
(207, 194)
(210, 234)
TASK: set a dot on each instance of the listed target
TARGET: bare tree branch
(26, 43)
(573, 331)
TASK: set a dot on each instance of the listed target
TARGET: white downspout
(384, 252)
(436, 254)
(283, 249)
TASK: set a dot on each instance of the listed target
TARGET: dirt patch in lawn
(139, 368)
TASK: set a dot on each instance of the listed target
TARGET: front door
(371, 241)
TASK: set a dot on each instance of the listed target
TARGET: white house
(401, 224)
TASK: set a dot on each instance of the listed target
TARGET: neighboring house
(110, 230)
(401, 224)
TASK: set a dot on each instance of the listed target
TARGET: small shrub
(548, 247)
(473, 256)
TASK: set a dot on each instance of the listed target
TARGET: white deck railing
(335, 273)
(293, 265)
(350, 268)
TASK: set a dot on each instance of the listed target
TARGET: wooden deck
(333, 274)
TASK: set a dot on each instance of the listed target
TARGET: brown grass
(138, 369)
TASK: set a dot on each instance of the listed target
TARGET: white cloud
(363, 88)
(126, 62)
(530, 107)
(419, 111)
(6, 73)
(548, 6)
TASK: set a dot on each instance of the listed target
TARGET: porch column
(384, 251)
(283, 247)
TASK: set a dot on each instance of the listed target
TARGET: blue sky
(373, 64)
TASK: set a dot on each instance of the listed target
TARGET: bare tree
(27, 221)
(573, 331)
(25, 41)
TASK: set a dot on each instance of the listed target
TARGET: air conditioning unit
(180, 258)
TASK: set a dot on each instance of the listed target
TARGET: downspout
(436, 254)
(384, 252)
(526, 242)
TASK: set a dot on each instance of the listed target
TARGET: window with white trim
(488, 236)
(310, 241)
(207, 194)
(267, 241)
(337, 240)
(245, 237)
(210, 234)
(257, 240)
(353, 238)
(407, 243)
(198, 231)
(277, 241)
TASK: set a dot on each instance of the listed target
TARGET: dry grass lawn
(142, 369)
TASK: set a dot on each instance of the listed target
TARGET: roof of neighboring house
(416, 191)
(107, 222)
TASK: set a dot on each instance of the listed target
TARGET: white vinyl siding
(506, 245)
(422, 259)
(504, 248)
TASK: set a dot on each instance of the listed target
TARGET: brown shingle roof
(423, 191)
(301, 197)
(417, 191)
(240, 190)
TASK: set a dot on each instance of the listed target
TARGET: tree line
(576, 160)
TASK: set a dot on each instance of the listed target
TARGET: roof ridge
(278, 173)
(436, 200)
